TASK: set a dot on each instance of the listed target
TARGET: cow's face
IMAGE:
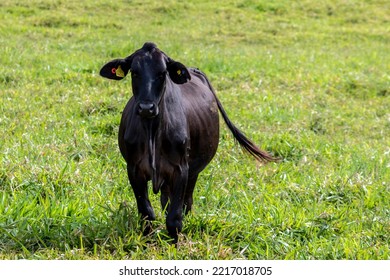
(149, 69)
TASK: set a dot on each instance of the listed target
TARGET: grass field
(308, 81)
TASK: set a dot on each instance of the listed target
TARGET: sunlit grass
(308, 81)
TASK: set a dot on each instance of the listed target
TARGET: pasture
(308, 81)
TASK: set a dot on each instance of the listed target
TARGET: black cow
(169, 130)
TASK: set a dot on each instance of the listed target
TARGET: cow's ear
(116, 69)
(178, 72)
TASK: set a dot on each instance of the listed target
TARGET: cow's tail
(244, 142)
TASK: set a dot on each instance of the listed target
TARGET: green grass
(308, 81)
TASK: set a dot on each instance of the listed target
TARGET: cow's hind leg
(188, 194)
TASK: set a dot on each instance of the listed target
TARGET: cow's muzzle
(147, 110)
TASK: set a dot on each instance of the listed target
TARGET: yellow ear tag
(178, 72)
(119, 72)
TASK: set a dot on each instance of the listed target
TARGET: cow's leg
(140, 189)
(189, 191)
(174, 220)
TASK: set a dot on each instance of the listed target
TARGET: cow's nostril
(147, 110)
(146, 107)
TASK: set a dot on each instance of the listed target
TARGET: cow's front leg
(140, 189)
(174, 220)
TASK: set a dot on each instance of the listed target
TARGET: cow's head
(149, 68)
